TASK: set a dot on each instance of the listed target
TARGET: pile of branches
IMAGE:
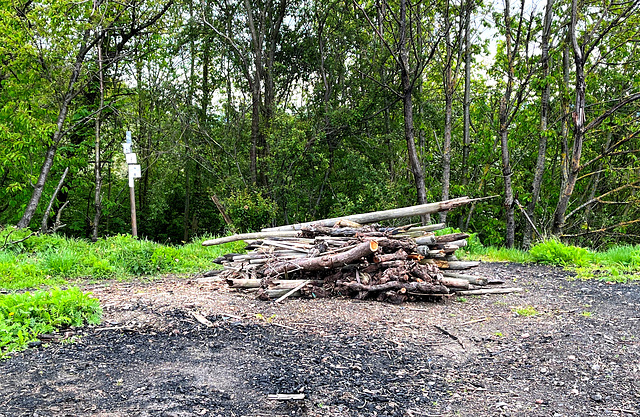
(349, 259)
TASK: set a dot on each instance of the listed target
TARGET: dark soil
(579, 356)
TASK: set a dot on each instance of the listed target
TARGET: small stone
(574, 391)
(571, 357)
(543, 370)
(524, 335)
(539, 401)
(596, 397)
(595, 368)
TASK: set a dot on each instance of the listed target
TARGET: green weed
(526, 311)
(24, 316)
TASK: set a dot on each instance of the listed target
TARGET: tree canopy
(288, 111)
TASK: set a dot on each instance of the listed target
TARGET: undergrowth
(617, 264)
(34, 261)
(24, 316)
(55, 260)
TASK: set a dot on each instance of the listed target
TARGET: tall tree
(597, 29)
(544, 122)
(410, 72)
(451, 64)
(517, 33)
(83, 39)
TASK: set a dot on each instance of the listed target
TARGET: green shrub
(554, 252)
(24, 316)
(165, 258)
(250, 210)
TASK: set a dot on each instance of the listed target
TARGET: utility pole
(134, 172)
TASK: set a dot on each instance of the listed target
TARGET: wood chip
(286, 397)
(201, 319)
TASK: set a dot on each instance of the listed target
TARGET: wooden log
(428, 228)
(248, 236)
(399, 255)
(455, 265)
(450, 238)
(277, 259)
(442, 245)
(471, 278)
(263, 255)
(455, 283)
(394, 245)
(292, 291)
(421, 287)
(490, 291)
(378, 216)
(323, 262)
(279, 283)
(427, 252)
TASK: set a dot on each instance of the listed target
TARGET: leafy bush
(24, 316)
(554, 252)
(250, 210)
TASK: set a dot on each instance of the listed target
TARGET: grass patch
(51, 260)
(617, 264)
(526, 311)
(25, 316)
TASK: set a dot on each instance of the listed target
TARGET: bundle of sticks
(344, 257)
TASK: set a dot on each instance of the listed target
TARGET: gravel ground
(578, 355)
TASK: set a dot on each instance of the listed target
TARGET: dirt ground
(473, 356)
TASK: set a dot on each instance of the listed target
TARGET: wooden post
(134, 226)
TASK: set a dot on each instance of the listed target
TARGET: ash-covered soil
(579, 356)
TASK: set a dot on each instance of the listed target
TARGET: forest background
(293, 110)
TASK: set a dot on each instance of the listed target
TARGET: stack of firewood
(344, 257)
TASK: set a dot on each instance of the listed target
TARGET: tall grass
(617, 264)
(53, 260)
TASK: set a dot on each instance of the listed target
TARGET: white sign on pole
(131, 158)
(128, 137)
(135, 171)
(126, 148)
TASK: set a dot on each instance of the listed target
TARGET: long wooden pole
(378, 216)
(134, 225)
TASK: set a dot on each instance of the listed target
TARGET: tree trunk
(467, 97)
(38, 188)
(97, 168)
(578, 128)
(544, 115)
(506, 175)
(448, 88)
(407, 90)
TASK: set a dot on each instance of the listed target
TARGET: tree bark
(323, 262)
(578, 126)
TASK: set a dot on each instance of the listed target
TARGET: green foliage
(249, 210)
(554, 252)
(23, 316)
